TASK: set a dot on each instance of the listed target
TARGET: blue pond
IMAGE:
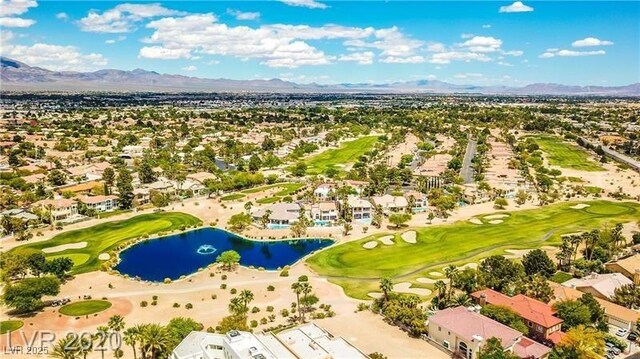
(184, 253)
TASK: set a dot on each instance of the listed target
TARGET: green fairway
(357, 269)
(7, 326)
(567, 155)
(268, 200)
(85, 307)
(105, 237)
(347, 153)
(286, 189)
(232, 197)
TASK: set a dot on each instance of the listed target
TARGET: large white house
(101, 203)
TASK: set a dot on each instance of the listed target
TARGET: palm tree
(246, 296)
(85, 347)
(131, 337)
(386, 286)
(103, 338)
(247, 206)
(441, 287)
(450, 272)
(300, 288)
(65, 349)
(116, 323)
(237, 306)
(461, 299)
(154, 341)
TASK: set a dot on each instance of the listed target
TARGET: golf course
(84, 246)
(357, 265)
(347, 153)
(566, 155)
(85, 307)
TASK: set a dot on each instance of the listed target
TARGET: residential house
(196, 188)
(21, 214)
(538, 316)
(390, 203)
(101, 203)
(324, 213)
(358, 186)
(420, 201)
(627, 266)
(61, 208)
(282, 215)
(35, 178)
(307, 341)
(464, 331)
(601, 286)
(615, 314)
(325, 191)
(201, 177)
(361, 209)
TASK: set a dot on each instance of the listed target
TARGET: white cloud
(362, 58)
(502, 63)
(517, 6)
(239, 15)
(276, 45)
(16, 22)
(117, 39)
(569, 53)
(404, 60)
(591, 41)
(55, 57)
(482, 44)
(468, 75)
(395, 47)
(448, 56)
(311, 4)
(62, 16)
(516, 53)
(15, 7)
(486, 26)
(189, 68)
(122, 18)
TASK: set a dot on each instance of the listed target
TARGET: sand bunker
(516, 253)
(470, 265)
(104, 256)
(496, 221)
(387, 240)
(435, 274)
(496, 216)
(405, 287)
(375, 295)
(370, 245)
(65, 247)
(424, 280)
(475, 221)
(409, 237)
(580, 206)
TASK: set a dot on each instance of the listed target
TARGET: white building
(304, 342)
(101, 203)
(361, 209)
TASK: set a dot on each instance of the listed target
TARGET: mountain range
(17, 76)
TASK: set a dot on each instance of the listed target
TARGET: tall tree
(125, 188)
(538, 262)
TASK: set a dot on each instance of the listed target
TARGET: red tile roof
(528, 308)
(527, 348)
(556, 337)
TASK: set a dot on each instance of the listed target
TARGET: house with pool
(390, 204)
(324, 213)
(361, 209)
(279, 215)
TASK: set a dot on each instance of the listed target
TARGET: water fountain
(206, 249)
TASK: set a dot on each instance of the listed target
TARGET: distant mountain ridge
(17, 76)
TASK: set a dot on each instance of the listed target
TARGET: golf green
(352, 266)
(567, 155)
(85, 307)
(7, 326)
(105, 237)
(347, 153)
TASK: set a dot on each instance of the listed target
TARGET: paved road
(467, 171)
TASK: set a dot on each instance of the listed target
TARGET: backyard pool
(182, 254)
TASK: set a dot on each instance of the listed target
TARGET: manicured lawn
(358, 269)
(347, 153)
(85, 307)
(10, 325)
(286, 189)
(268, 200)
(567, 155)
(113, 213)
(561, 277)
(105, 237)
(232, 197)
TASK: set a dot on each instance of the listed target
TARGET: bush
(154, 303)
(214, 296)
(254, 323)
(284, 273)
(271, 288)
(255, 310)
(263, 321)
(234, 291)
(284, 313)
(224, 277)
(270, 308)
(362, 307)
(167, 280)
(176, 305)
(144, 303)
(188, 306)
(155, 297)
(223, 286)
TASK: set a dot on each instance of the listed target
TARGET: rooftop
(605, 284)
(528, 308)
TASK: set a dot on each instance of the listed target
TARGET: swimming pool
(183, 254)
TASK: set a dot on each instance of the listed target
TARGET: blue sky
(480, 42)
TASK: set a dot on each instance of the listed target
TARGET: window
(439, 329)
(462, 347)
(445, 344)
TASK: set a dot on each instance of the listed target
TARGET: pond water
(182, 254)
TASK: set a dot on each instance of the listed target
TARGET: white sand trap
(424, 280)
(580, 206)
(470, 265)
(496, 216)
(475, 221)
(571, 234)
(409, 237)
(436, 274)
(64, 247)
(375, 295)
(104, 256)
(370, 245)
(387, 240)
(516, 253)
(496, 221)
(405, 287)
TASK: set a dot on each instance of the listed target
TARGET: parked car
(610, 355)
(633, 336)
(622, 332)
